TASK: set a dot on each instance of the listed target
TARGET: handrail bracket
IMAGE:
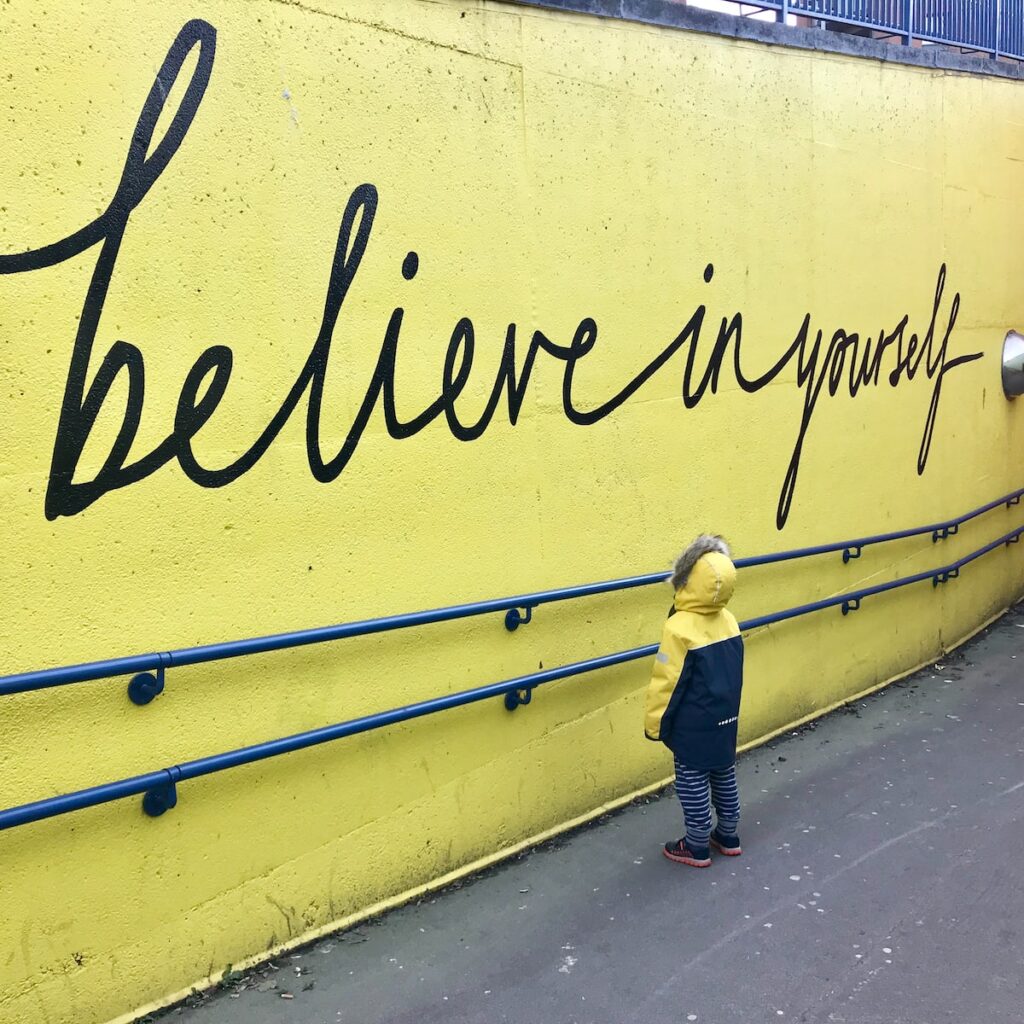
(147, 685)
(514, 618)
(516, 697)
(160, 799)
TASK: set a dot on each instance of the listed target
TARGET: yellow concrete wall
(546, 169)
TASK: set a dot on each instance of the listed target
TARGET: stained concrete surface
(882, 882)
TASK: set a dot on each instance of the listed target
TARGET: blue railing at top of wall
(159, 788)
(992, 27)
(150, 669)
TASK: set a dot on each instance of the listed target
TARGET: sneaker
(682, 854)
(729, 845)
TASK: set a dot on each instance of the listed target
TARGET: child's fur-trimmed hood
(703, 545)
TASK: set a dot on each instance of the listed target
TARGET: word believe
(846, 361)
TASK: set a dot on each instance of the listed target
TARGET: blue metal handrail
(144, 687)
(160, 787)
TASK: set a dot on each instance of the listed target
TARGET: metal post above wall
(908, 22)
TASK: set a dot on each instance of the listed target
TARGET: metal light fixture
(1013, 365)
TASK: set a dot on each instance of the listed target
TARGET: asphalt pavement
(881, 882)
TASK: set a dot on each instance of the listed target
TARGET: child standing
(693, 701)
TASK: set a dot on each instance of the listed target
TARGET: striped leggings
(697, 790)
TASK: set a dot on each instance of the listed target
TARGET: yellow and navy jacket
(693, 700)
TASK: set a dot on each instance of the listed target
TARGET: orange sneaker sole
(727, 852)
(690, 861)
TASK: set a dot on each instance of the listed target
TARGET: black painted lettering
(206, 382)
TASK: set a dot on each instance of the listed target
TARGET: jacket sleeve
(668, 667)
